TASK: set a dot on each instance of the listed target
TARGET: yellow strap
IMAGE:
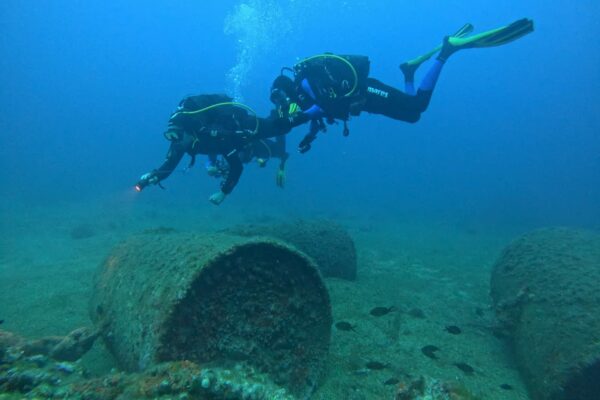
(342, 59)
(267, 147)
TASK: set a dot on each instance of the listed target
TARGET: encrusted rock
(545, 293)
(215, 298)
(325, 241)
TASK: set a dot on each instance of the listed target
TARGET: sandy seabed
(435, 273)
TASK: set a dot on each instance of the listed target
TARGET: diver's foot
(448, 48)
(409, 67)
(408, 70)
(491, 38)
(416, 62)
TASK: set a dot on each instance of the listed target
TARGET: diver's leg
(409, 87)
(409, 68)
(423, 96)
(432, 76)
(409, 82)
(391, 102)
(386, 100)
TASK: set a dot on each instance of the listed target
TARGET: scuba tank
(338, 82)
(214, 114)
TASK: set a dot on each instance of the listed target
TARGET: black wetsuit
(261, 150)
(383, 99)
(324, 88)
(227, 144)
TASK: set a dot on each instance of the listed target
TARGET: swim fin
(491, 38)
(408, 68)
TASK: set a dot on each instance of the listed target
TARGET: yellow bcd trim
(342, 59)
(228, 103)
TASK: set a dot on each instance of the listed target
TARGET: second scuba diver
(261, 151)
(330, 86)
(213, 124)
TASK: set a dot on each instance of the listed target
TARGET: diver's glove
(305, 144)
(217, 169)
(299, 118)
(280, 178)
(148, 178)
(212, 170)
(316, 125)
(217, 198)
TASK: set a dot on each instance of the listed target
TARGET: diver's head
(283, 91)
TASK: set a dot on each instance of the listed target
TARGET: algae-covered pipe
(214, 299)
(546, 293)
(327, 242)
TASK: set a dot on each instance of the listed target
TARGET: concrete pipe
(546, 293)
(327, 242)
(215, 299)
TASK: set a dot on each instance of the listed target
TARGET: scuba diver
(214, 124)
(334, 87)
(261, 151)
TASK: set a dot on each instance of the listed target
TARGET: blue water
(511, 136)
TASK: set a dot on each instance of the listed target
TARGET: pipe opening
(585, 384)
(259, 304)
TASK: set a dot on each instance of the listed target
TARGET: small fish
(416, 313)
(345, 326)
(464, 367)
(362, 372)
(392, 381)
(381, 311)
(453, 329)
(376, 365)
(506, 386)
(429, 351)
(1, 321)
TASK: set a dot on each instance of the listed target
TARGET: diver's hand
(217, 198)
(280, 178)
(212, 170)
(299, 118)
(145, 180)
(305, 144)
(304, 147)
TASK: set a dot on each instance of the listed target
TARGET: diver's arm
(277, 126)
(279, 150)
(316, 125)
(212, 165)
(175, 154)
(235, 171)
(283, 155)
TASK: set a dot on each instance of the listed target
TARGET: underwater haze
(510, 143)
(511, 135)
